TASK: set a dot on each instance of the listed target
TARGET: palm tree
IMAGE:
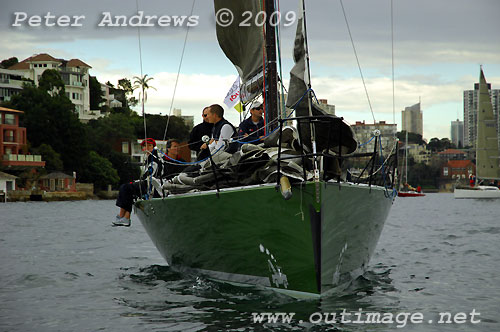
(143, 84)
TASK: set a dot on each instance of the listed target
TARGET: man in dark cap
(252, 128)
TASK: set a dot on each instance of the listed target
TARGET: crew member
(140, 188)
(252, 128)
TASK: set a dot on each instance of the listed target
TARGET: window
(60, 184)
(10, 119)
(445, 171)
(8, 136)
(125, 146)
(10, 185)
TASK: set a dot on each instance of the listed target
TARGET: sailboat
(487, 154)
(303, 229)
(408, 191)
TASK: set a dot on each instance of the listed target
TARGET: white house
(7, 183)
(74, 73)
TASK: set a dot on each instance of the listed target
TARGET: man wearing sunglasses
(204, 128)
(251, 130)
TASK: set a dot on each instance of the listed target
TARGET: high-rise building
(470, 113)
(412, 119)
(457, 133)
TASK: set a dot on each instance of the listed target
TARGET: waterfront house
(57, 181)
(7, 184)
(458, 170)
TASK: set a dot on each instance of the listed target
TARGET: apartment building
(11, 83)
(365, 131)
(13, 143)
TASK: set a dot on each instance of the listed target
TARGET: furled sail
(242, 41)
(487, 136)
(298, 99)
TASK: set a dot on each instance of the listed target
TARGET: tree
(437, 145)
(52, 159)
(99, 171)
(424, 175)
(142, 83)
(53, 121)
(155, 127)
(126, 86)
(413, 138)
(51, 82)
(8, 62)
(95, 93)
(107, 133)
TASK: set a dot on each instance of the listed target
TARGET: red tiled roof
(20, 66)
(5, 109)
(77, 63)
(47, 57)
(42, 57)
(459, 163)
(452, 151)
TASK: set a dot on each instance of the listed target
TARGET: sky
(438, 47)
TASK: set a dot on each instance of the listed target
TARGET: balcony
(21, 161)
(8, 139)
(23, 157)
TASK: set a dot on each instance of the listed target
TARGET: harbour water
(64, 268)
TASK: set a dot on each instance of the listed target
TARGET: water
(63, 268)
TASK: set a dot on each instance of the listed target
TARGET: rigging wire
(281, 114)
(264, 101)
(140, 63)
(392, 62)
(178, 74)
(357, 60)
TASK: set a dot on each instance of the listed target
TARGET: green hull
(251, 235)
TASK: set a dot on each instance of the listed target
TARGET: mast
(271, 69)
(406, 158)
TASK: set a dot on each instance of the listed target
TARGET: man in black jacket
(200, 130)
